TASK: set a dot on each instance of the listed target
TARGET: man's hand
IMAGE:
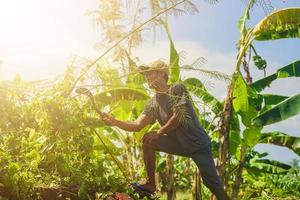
(160, 132)
(150, 138)
(108, 119)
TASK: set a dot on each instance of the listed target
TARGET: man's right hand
(108, 119)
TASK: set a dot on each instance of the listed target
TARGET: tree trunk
(197, 186)
(239, 173)
(129, 157)
(244, 150)
(247, 70)
(224, 128)
(171, 189)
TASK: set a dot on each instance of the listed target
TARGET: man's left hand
(160, 132)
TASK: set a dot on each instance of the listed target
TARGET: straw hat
(157, 65)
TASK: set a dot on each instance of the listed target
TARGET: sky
(39, 38)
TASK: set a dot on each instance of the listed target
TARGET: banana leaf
(244, 17)
(283, 23)
(268, 166)
(122, 93)
(195, 86)
(241, 94)
(290, 70)
(235, 123)
(273, 99)
(269, 100)
(281, 139)
(280, 112)
(174, 70)
(251, 135)
(207, 124)
(235, 141)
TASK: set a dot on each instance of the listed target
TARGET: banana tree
(243, 99)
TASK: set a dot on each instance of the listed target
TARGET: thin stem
(113, 157)
(118, 42)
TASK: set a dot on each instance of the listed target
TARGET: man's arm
(171, 124)
(179, 94)
(136, 126)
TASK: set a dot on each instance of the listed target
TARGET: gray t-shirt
(189, 133)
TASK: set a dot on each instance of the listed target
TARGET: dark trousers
(203, 159)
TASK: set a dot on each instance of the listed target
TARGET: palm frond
(182, 115)
(208, 73)
(155, 7)
(176, 12)
(212, 1)
(266, 5)
(182, 57)
(198, 63)
(190, 7)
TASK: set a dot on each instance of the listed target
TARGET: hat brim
(144, 69)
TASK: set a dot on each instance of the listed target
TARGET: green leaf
(121, 93)
(240, 94)
(290, 70)
(273, 99)
(270, 166)
(242, 20)
(283, 23)
(281, 139)
(241, 103)
(206, 125)
(235, 141)
(252, 135)
(280, 112)
(195, 86)
(235, 123)
(174, 70)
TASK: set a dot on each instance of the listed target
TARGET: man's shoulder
(177, 84)
(177, 87)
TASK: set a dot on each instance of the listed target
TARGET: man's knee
(146, 139)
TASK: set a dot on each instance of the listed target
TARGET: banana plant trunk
(224, 128)
(171, 189)
(239, 173)
(197, 186)
(244, 150)
(129, 157)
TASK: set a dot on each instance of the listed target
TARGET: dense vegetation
(53, 142)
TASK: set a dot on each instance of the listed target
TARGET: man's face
(155, 79)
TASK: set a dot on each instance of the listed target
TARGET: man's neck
(163, 89)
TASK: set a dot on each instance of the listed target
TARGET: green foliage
(196, 87)
(282, 185)
(282, 111)
(174, 58)
(290, 70)
(48, 139)
(283, 23)
(242, 104)
(119, 94)
(251, 135)
(244, 17)
(47, 143)
(281, 139)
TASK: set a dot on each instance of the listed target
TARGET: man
(180, 132)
